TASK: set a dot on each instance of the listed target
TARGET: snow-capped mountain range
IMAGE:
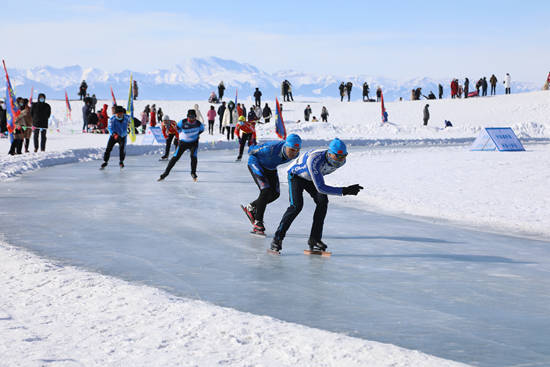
(196, 78)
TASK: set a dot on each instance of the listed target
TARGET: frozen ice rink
(468, 296)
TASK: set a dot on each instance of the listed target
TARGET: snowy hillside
(196, 78)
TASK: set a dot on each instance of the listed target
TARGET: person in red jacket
(153, 119)
(169, 130)
(454, 88)
(249, 134)
(103, 119)
(211, 116)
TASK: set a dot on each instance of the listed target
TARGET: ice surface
(464, 295)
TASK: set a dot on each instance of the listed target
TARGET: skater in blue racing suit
(118, 129)
(307, 174)
(262, 164)
(189, 130)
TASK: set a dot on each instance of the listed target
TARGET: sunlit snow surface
(457, 294)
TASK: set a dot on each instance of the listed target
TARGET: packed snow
(50, 313)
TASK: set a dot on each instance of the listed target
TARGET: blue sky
(396, 39)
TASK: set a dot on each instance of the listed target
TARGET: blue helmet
(337, 146)
(293, 141)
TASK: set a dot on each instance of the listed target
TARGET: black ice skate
(258, 228)
(276, 246)
(103, 165)
(250, 211)
(317, 247)
(194, 176)
(121, 164)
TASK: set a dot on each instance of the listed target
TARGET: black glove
(352, 190)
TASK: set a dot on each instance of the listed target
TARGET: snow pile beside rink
(63, 316)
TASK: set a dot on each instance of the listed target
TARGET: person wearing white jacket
(199, 114)
(508, 83)
(229, 121)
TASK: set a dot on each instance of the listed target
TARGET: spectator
(221, 111)
(153, 116)
(324, 114)
(257, 97)
(135, 90)
(230, 117)
(508, 84)
(426, 114)
(266, 113)
(94, 103)
(103, 120)
(145, 118)
(484, 86)
(40, 112)
(314, 119)
(454, 88)
(466, 87)
(86, 112)
(82, 90)
(349, 85)
(440, 87)
(307, 113)
(198, 114)
(365, 91)
(493, 80)
(342, 89)
(221, 89)
(211, 116)
(378, 94)
(159, 115)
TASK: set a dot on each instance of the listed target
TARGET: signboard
(502, 138)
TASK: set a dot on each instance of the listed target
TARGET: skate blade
(259, 234)
(273, 252)
(322, 253)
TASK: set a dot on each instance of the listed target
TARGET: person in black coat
(466, 87)
(426, 114)
(86, 112)
(258, 97)
(221, 110)
(365, 91)
(440, 91)
(349, 85)
(307, 113)
(221, 89)
(266, 113)
(40, 112)
(484, 86)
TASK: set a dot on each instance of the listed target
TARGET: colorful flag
(113, 95)
(130, 110)
(11, 107)
(279, 123)
(384, 113)
(69, 110)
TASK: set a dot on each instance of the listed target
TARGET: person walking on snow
(307, 174)
(262, 164)
(221, 111)
(189, 131)
(118, 129)
(365, 91)
(153, 117)
(248, 135)
(266, 113)
(170, 131)
(221, 89)
(211, 116)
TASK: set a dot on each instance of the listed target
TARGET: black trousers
(268, 183)
(121, 141)
(169, 144)
(211, 127)
(182, 147)
(42, 133)
(508, 91)
(258, 102)
(493, 90)
(16, 146)
(230, 130)
(245, 137)
(296, 187)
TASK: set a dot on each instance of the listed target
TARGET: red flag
(113, 95)
(30, 100)
(68, 105)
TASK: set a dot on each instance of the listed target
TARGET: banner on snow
(152, 135)
(502, 138)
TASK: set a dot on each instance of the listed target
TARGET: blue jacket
(312, 166)
(268, 156)
(189, 132)
(118, 126)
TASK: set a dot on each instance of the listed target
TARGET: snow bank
(63, 316)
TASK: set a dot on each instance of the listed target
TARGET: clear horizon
(394, 39)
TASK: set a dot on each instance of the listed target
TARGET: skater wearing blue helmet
(262, 164)
(307, 174)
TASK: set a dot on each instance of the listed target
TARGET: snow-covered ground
(50, 313)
